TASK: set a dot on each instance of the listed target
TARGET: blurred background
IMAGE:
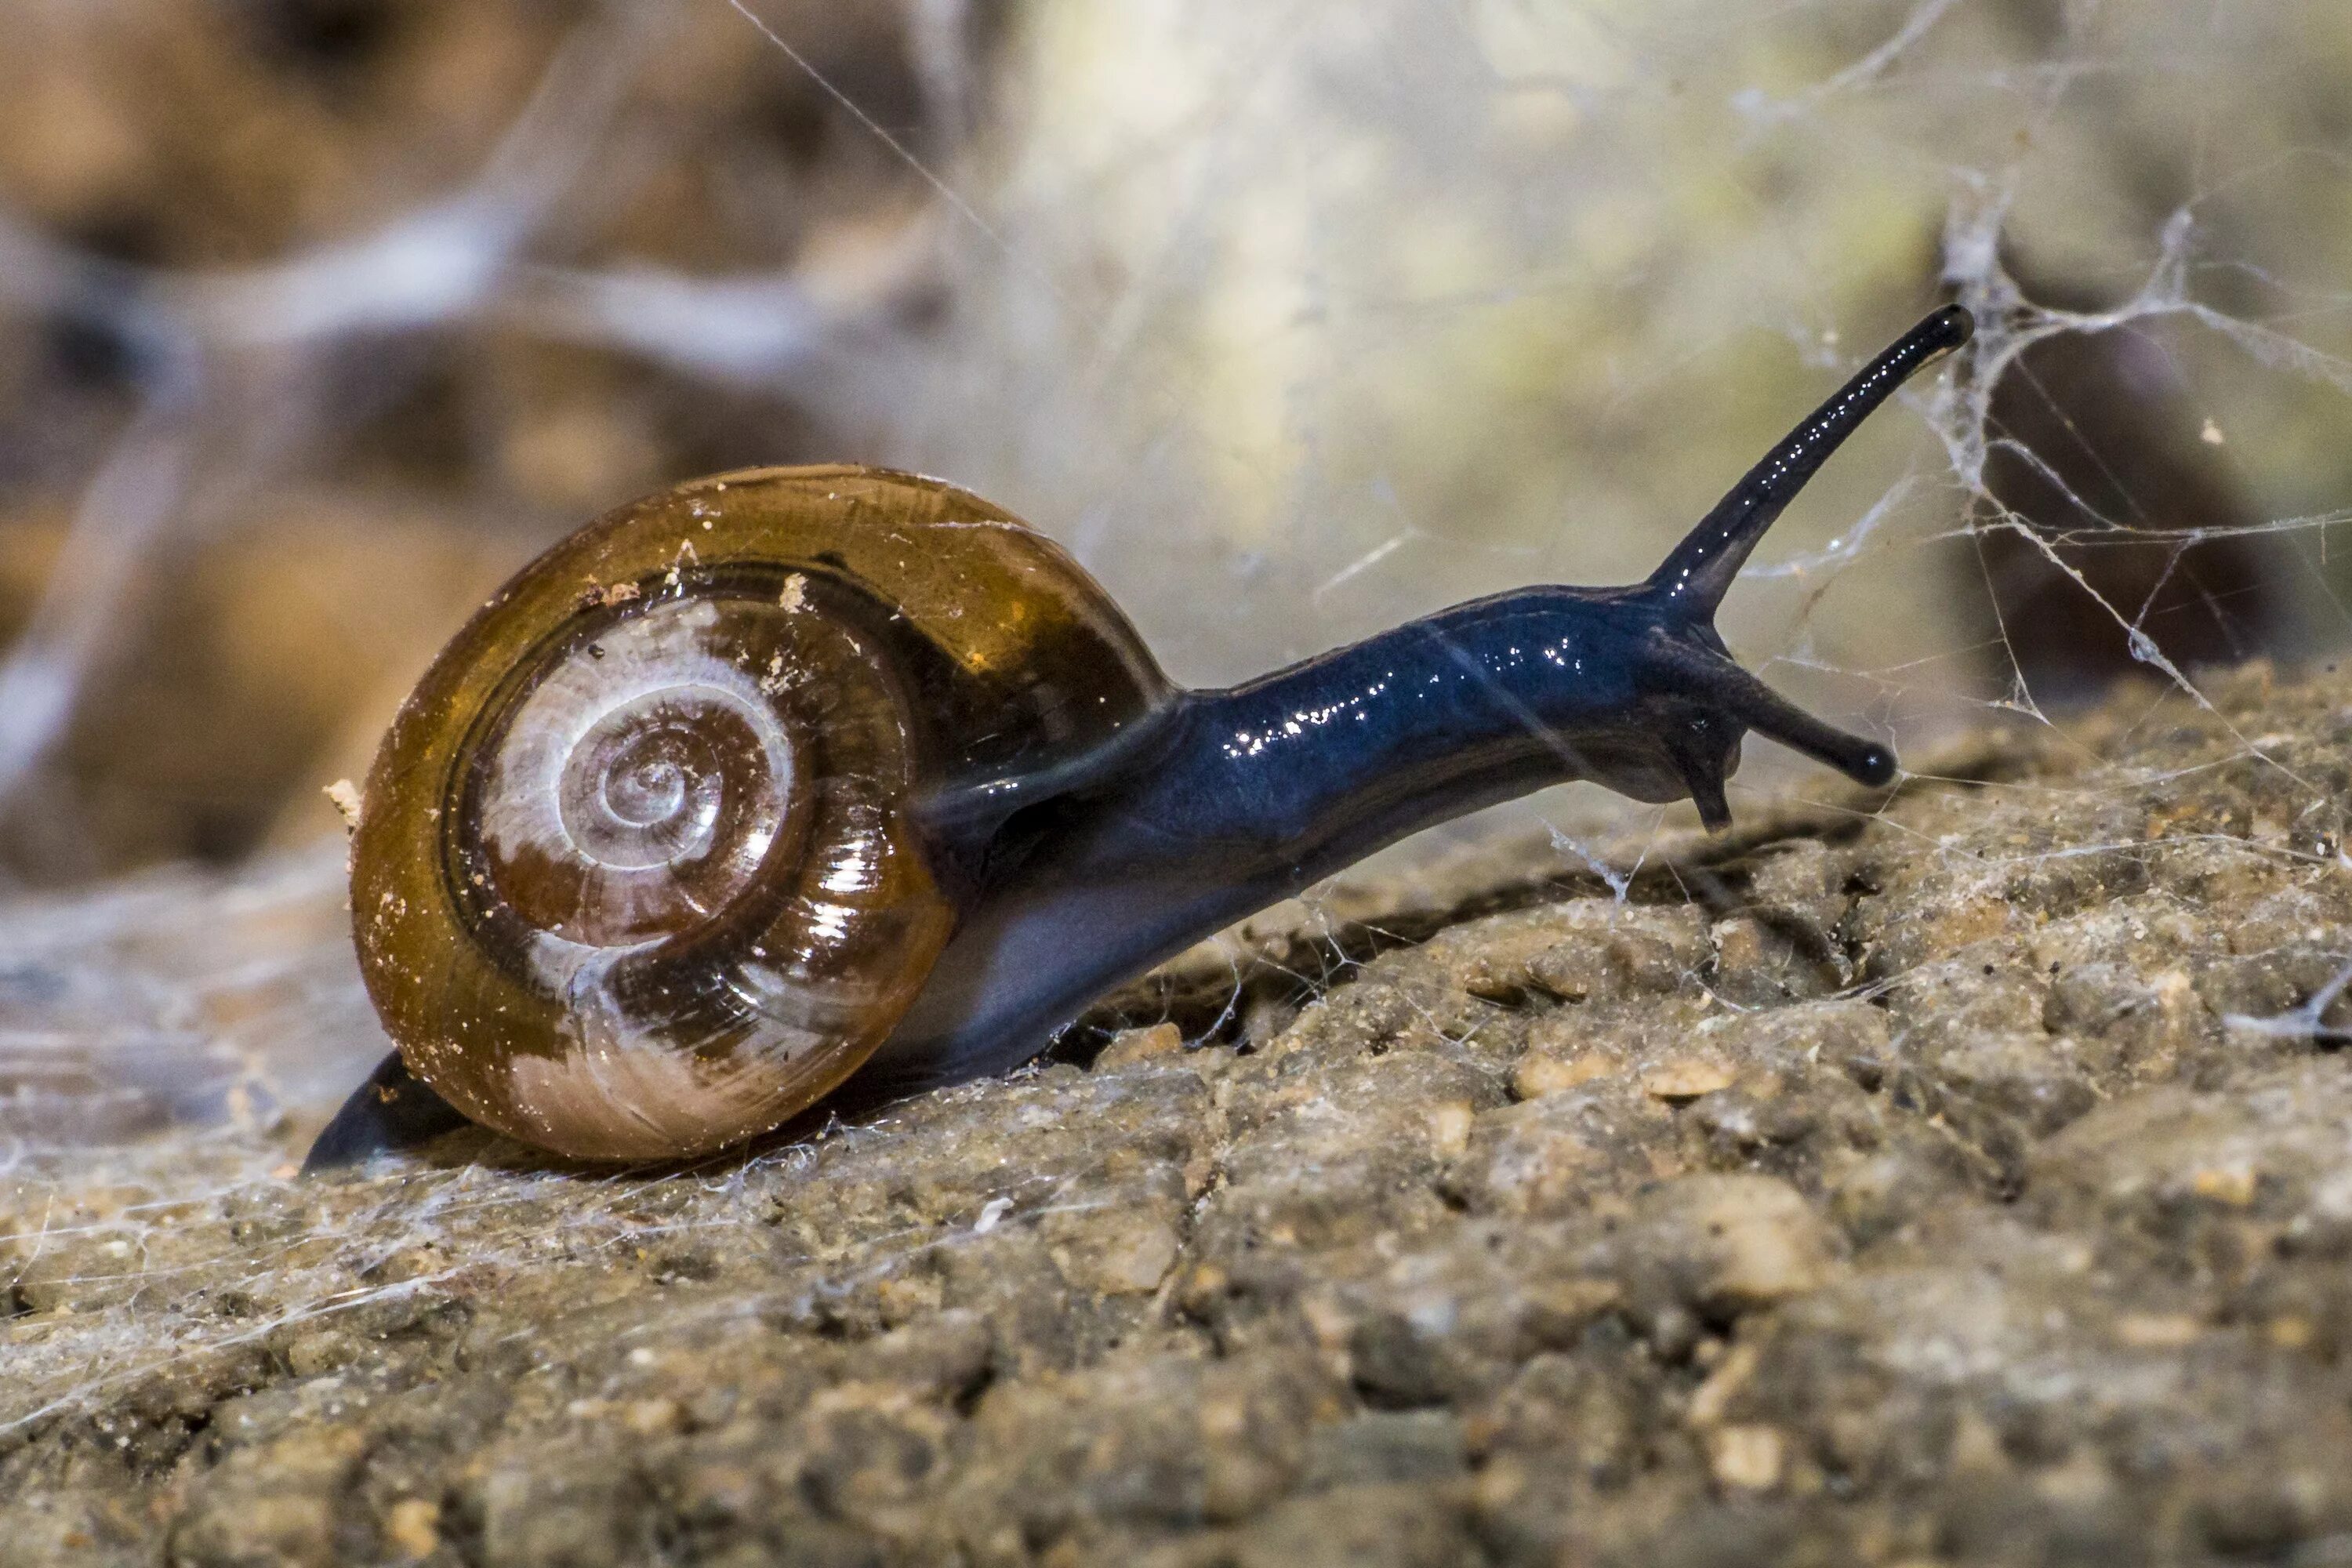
(1291, 318)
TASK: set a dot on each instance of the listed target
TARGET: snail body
(791, 775)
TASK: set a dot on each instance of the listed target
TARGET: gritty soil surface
(1967, 1182)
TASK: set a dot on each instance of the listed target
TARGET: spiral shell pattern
(639, 873)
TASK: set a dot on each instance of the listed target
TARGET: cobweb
(1293, 320)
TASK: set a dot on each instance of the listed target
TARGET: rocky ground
(1964, 1181)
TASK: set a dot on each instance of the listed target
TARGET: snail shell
(640, 872)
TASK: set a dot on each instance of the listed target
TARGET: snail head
(1698, 700)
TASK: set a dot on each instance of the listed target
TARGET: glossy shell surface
(638, 872)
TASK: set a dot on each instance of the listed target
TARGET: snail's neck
(1239, 798)
(1321, 764)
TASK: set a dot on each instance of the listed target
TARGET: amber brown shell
(849, 638)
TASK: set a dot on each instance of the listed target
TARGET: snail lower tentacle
(795, 777)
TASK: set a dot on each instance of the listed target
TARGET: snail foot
(393, 1112)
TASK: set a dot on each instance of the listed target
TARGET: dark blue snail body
(1019, 888)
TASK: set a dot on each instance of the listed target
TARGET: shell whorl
(638, 873)
(640, 780)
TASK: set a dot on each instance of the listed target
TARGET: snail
(792, 775)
